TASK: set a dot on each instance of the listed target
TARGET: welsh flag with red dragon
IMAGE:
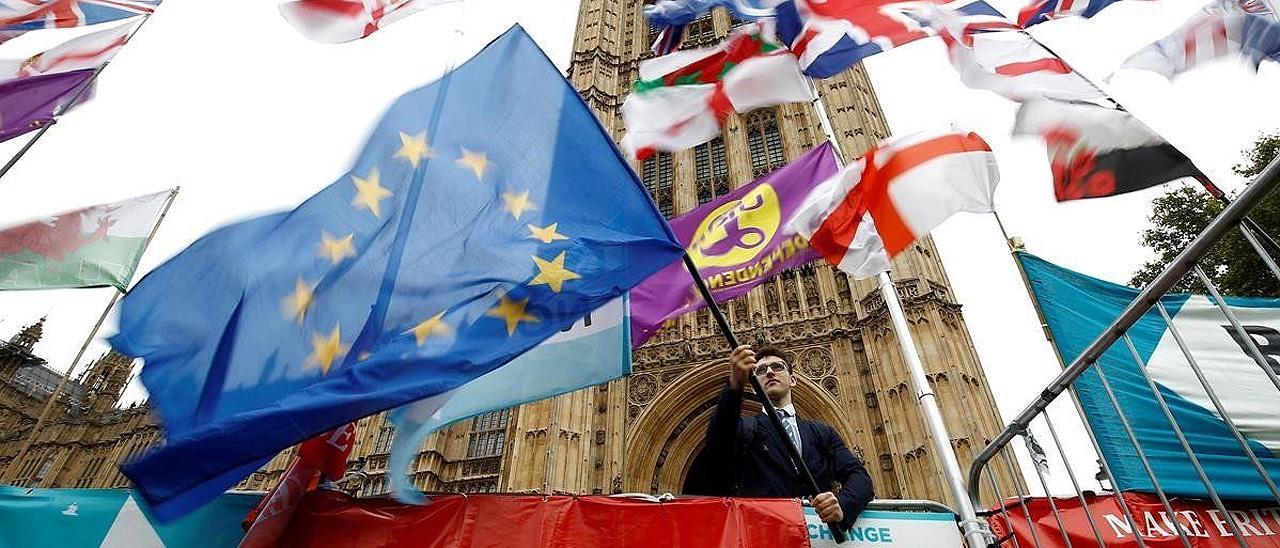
(92, 247)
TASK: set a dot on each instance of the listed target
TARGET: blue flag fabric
(1077, 308)
(593, 351)
(487, 212)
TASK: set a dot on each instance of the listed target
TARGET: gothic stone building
(87, 432)
(640, 434)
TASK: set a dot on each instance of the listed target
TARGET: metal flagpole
(84, 88)
(793, 454)
(972, 527)
(970, 524)
(53, 396)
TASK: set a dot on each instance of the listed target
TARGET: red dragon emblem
(55, 240)
(1074, 165)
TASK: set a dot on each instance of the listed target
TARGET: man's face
(774, 376)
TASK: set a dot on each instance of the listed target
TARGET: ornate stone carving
(815, 363)
(643, 389)
(831, 385)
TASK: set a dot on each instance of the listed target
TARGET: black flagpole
(84, 88)
(793, 454)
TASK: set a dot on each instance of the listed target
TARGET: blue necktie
(789, 424)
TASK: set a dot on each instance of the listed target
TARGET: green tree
(1182, 213)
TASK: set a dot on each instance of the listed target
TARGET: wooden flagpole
(83, 89)
(13, 467)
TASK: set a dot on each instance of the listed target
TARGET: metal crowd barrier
(997, 453)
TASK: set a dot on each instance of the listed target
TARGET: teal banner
(112, 518)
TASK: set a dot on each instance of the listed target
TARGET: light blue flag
(1077, 309)
(595, 350)
(63, 518)
(487, 212)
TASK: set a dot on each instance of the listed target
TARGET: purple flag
(737, 241)
(26, 104)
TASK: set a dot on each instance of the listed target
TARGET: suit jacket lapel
(809, 444)
(774, 444)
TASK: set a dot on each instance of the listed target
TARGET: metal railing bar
(1084, 505)
(1004, 511)
(1260, 250)
(1239, 329)
(1022, 501)
(1262, 185)
(1142, 457)
(1217, 403)
(1106, 468)
(1053, 506)
(1182, 439)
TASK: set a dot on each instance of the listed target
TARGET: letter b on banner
(1269, 344)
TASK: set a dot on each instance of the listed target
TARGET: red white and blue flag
(18, 16)
(1207, 37)
(1040, 11)
(335, 21)
(830, 36)
(1001, 57)
(84, 52)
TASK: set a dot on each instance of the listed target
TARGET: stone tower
(104, 381)
(19, 351)
(641, 433)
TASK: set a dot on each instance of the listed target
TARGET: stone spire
(105, 380)
(29, 336)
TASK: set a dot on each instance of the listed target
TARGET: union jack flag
(1040, 11)
(830, 36)
(1209, 36)
(1229, 7)
(19, 16)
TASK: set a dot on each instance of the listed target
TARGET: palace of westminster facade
(640, 433)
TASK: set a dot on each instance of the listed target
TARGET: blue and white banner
(1077, 309)
(111, 518)
(594, 350)
(882, 528)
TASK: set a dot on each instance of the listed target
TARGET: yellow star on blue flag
(408, 277)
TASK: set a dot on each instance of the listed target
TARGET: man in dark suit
(745, 456)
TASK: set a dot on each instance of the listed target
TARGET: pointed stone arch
(669, 432)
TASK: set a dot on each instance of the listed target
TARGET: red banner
(1203, 524)
(331, 519)
(324, 455)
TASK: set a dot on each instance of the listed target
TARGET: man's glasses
(776, 367)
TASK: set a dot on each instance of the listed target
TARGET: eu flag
(488, 211)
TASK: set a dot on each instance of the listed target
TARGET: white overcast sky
(228, 101)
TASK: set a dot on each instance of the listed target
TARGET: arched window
(764, 141)
(711, 169)
(488, 434)
(658, 175)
